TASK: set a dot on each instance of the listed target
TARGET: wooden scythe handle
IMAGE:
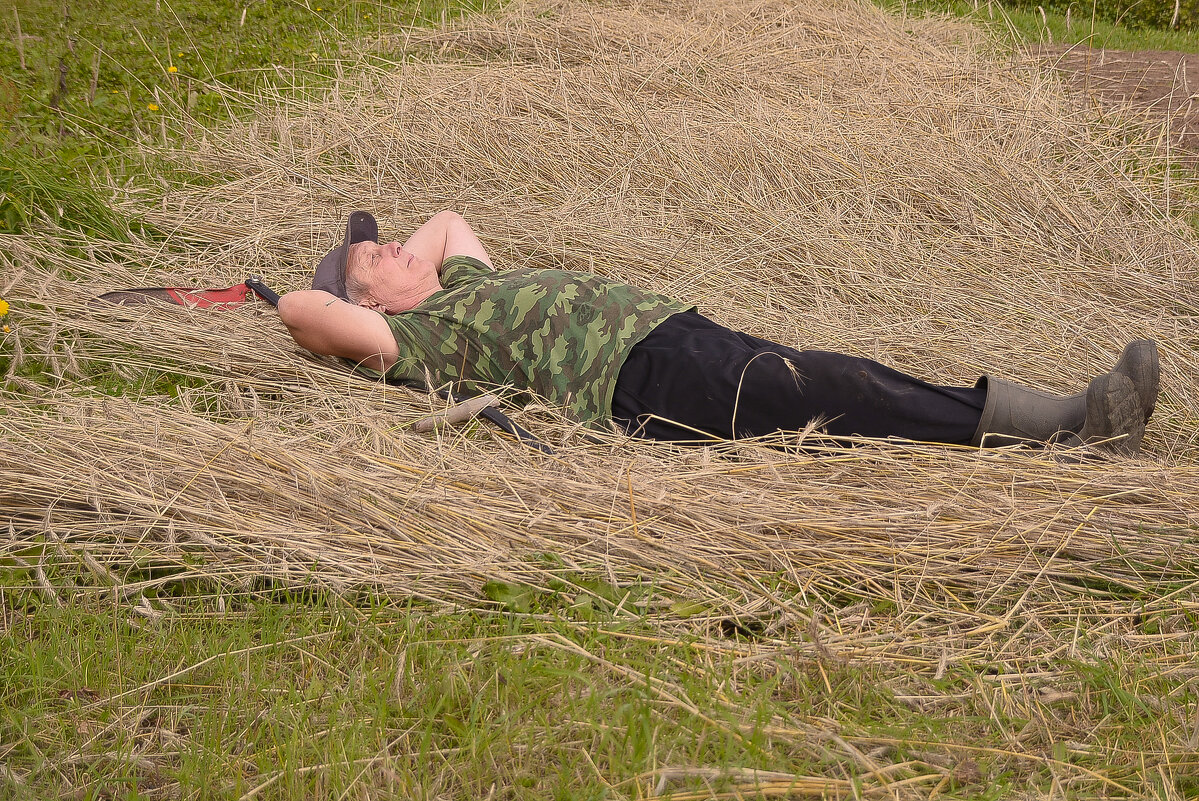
(456, 414)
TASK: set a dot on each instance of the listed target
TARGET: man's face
(394, 280)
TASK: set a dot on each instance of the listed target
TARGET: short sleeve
(458, 270)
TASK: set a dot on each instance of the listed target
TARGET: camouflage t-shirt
(563, 335)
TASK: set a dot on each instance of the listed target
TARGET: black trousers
(692, 377)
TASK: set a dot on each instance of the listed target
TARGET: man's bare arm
(325, 324)
(446, 234)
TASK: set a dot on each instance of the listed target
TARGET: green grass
(317, 696)
(86, 83)
(314, 698)
(1023, 26)
(1132, 13)
(59, 189)
(95, 70)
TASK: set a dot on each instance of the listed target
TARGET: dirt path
(1161, 84)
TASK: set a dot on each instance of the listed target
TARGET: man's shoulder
(467, 280)
(459, 272)
(461, 263)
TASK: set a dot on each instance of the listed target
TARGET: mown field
(229, 570)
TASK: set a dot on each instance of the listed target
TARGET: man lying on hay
(609, 351)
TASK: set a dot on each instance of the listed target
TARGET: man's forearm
(324, 324)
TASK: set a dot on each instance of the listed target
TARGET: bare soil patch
(1161, 85)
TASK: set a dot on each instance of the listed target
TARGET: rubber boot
(1109, 414)
(1015, 414)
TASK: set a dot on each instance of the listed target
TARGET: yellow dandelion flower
(172, 68)
(152, 106)
(180, 55)
(3, 307)
(7, 330)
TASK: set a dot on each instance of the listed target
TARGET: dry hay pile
(830, 177)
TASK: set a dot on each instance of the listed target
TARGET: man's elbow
(287, 308)
(291, 312)
(448, 217)
(295, 311)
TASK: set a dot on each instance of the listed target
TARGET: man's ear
(370, 303)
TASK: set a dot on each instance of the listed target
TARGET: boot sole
(1140, 363)
(1115, 418)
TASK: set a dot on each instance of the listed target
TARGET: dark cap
(331, 272)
